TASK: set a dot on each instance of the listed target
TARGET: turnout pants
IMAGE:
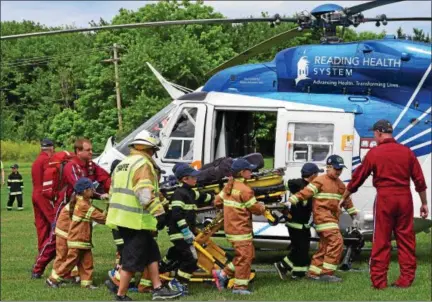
(118, 240)
(81, 258)
(328, 256)
(11, 200)
(393, 212)
(61, 256)
(187, 263)
(240, 267)
(48, 250)
(298, 259)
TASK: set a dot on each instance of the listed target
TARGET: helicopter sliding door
(183, 139)
(312, 136)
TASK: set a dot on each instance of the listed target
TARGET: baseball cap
(383, 126)
(336, 161)
(242, 164)
(178, 165)
(310, 168)
(15, 166)
(83, 184)
(185, 170)
(46, 143)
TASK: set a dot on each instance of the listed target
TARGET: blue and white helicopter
(323, 97)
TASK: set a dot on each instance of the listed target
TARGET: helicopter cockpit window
(309, 142)
(154, 125)
(182, 136)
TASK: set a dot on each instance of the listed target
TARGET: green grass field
(18, 251)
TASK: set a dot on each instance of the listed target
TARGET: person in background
(15, 186)
(297, 262)
(43, 209)
(79, 166)
(79, 238)
(393, 166)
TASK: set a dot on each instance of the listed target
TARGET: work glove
(161, 221)
(188, 235)
(271, 217)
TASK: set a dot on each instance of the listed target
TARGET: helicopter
(324, 98)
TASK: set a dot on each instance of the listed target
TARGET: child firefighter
(181, 225)
(326, 191)
(239, 203)
(79, 239)
(15, 185)
(297, 262)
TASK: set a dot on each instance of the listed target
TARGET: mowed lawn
(18, 251)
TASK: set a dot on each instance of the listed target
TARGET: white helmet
(145, 138)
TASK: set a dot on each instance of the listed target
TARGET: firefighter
(326, 191)
(79, 239)
(182, 226)
(15, 186)
(239, 203)
(42, 208)
(61, 232)
(393, 166)
(134, 203)
(297, 262)
(80, 166)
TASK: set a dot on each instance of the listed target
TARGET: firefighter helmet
(145, 138)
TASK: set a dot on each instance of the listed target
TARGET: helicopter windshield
(154, 125)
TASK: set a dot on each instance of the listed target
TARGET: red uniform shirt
(37, 171)
(392, 164)
(75, 169)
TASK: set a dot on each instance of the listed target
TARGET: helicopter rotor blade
(398, 19)
(369, 5)
(151, 24)
(257, 49)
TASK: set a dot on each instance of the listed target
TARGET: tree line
(61, 87)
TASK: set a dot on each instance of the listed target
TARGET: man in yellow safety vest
(133, 208)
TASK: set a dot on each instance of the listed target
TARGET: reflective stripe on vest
(326, 226)
(239, 237)
(125, 209)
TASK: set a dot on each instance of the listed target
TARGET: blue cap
(46, 143)
(336, 161)
(15, 166)
(310, 168)
(178, 165)
(242, 164)
(185, 170)
(83, 184)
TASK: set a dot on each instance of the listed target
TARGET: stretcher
(210, 255)
(268, 186)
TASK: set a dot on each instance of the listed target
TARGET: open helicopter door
(183, 137)
(312, 136)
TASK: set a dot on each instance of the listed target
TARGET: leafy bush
(19, 151)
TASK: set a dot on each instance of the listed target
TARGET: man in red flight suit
(43, 209)
(80, 166)
(393, 165)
